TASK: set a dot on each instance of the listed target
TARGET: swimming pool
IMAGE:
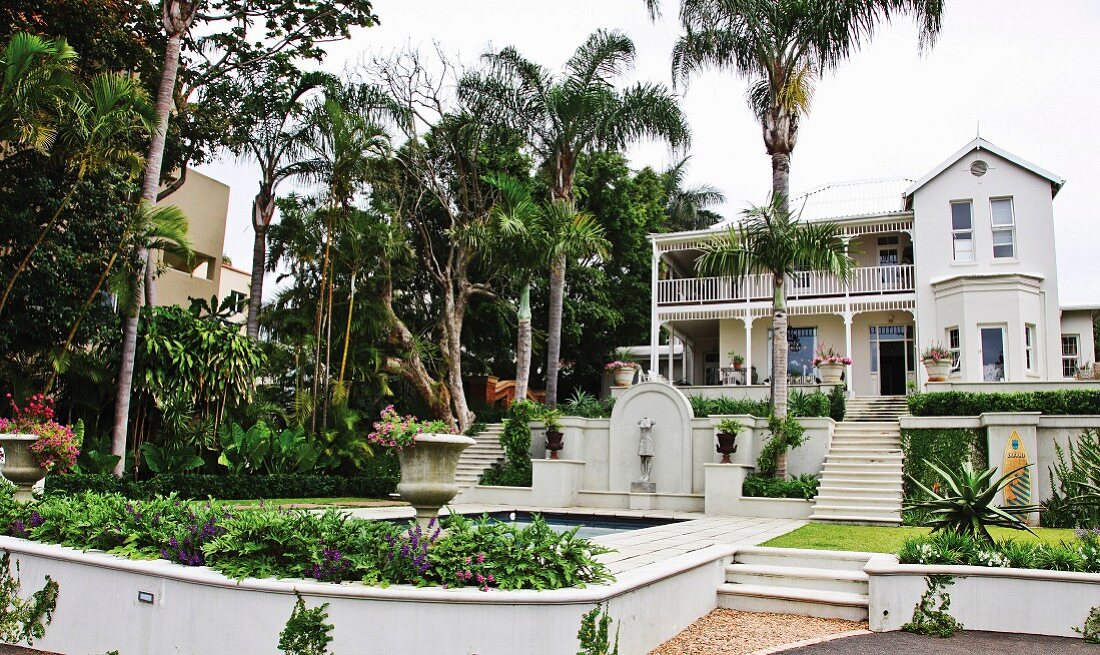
(590, 525)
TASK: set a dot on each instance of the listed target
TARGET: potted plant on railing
(830, 364)
(623, 371)
(551, 418)
(428, 453)
(33, 444)
(728, 429)
(937, 362)
(736, 361)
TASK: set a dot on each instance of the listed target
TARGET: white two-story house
(963, 257)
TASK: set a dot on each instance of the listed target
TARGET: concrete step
(853, 519)
(862, 449)
(798, 577)
(825, 510)
(805, 602)
(880, 490)
(865, 458)
(859, 500)
(802, 558)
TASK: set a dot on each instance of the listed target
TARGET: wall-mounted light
(145, 597)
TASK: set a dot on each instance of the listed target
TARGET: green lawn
(874, 539)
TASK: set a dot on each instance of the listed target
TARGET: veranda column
(748, 350)
(671, 354)
(848, 351)
(654, 326)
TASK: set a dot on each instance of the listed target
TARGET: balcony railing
(871, 280)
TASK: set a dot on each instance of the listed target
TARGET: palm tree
(177, 17)
(782, 47)
(98, 127)
(689, 208)
(345, 145)
(36, 84)
(565, 116)
(531, 236)
(269, 135)
(771, 240)
(162, 228)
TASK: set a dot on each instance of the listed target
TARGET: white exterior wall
(1080, 322)
(1035, 256)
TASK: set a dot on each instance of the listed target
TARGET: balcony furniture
(730, 376)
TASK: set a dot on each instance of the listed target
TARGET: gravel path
(729, 632)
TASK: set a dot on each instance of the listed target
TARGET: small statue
(645, 446)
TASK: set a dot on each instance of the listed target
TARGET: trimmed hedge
(948, 446)
(803, 487)
(963, 403)
(227, 487)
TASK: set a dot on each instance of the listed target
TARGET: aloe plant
(966, 504)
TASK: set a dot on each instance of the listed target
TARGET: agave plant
(965, 503)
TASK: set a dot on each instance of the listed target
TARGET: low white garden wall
(197, 610)
(995, 599)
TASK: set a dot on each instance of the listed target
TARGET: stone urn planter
(624, 376)
(17, 463)
(726, 446)
(938, 370)
(554, 442)
(831, 373)
(428, 472)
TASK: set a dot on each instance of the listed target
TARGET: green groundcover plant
(328, 547)
(1081, 555)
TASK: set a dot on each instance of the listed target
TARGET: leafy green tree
(99, 124)
(35, 87)
(565, 116)
(689, 208)
(782, 47)
(771, 240)
(269, 131)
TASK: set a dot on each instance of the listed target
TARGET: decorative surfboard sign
(1017, 492)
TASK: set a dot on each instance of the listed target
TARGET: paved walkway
(965, 643)
(638, 548)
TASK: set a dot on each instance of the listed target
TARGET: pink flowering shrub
(618, 363)
(396, 431)
(57, 446)
(829, 355)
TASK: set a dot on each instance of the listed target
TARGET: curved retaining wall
(1026, 601)
(199, 611)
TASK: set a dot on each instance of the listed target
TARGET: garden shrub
(703, 407)
(950, 446)
(1091, 630)
(804, 404)
(306, 632)
(962, 403)
(1073, 477)
(380, 484)
(586, 405)
(594, 635)
(1082, 555)
(328, 547)
(801, 486)
(930, 618)
(786, 433)
(838, 403)
(515, 439)
(24, 619)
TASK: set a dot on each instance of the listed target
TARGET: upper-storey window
(1004, 228)
(962, 230)
(1071, 350)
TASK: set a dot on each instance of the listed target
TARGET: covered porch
(878, 335)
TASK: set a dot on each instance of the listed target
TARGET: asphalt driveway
(964, 643)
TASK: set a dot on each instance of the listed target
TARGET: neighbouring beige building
(205, 202)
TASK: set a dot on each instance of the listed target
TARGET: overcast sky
(1025, 69)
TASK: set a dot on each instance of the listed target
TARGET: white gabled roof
(979, 143)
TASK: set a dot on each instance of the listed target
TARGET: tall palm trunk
(347, 328)
(779, 367)
(263, 208)
(553, 346)
(319, 317)
(523, 343)
(781, 177)
(177, 24)
(23, 263)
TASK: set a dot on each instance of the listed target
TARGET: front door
(891, 374)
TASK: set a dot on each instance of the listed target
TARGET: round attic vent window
(978, 168)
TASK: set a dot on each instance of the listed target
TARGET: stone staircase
(876, 408)
(861, 480)
(479, 457)
(825, 584)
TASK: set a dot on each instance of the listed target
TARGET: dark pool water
(590, 526)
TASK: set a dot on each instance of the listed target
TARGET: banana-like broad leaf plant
(965, 504)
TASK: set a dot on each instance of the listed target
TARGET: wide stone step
(864, 458)
(804, 602)
(858, 500)
(802, 557)
(862, 450)
(855, 488)
(834, 511)
(853, 519)
(798, 577)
